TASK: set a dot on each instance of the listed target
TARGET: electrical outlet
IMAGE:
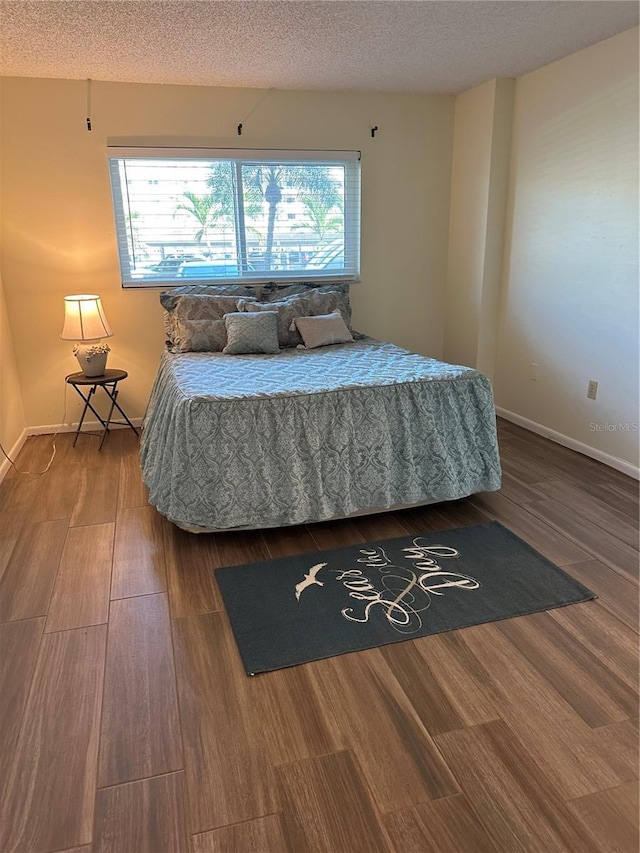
(533, 373)
(592, 389)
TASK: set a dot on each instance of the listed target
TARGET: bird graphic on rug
(309, 579)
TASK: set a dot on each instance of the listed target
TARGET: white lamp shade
(84, 319)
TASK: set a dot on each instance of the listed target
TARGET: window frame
(350, 160)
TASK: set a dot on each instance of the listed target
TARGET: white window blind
(185, 215)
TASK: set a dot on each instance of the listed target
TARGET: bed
(307, 435)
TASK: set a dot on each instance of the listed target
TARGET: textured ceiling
(420, 46)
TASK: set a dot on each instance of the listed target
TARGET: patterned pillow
(251, 333)
(274, 292)
(170, 298)
(196, 323)
(199, 336)
(322, 330)
(300, 305)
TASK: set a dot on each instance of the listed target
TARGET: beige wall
(471, 163)
(565, 286)
(500, 157)
(58, 223)
(481, 146)
(12, 422)
(570, 290)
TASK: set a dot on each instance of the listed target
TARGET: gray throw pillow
(199, 335)
(273, 292)
(170, 298)
(186, 322)
(251, 333)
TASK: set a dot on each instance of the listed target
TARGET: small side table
(109, 384)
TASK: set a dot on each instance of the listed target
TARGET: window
(231, 215)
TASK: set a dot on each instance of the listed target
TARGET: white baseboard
(51, 429)
(5, 465)
(612, 461)
(87, 426)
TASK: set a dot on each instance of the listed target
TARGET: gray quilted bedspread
(307, 435)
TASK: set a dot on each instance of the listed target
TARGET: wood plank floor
(129, 725)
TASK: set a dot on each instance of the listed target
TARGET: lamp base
(92, 358)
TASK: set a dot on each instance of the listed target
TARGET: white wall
(58, 228)
(480, 167)
(570, 288)
(471, 163)
(500, 158)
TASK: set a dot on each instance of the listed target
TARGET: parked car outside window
(166, 268)
(172, 262)
(209, 269)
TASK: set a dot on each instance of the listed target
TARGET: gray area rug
(297, 609)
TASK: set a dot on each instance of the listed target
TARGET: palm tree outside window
(230, 212)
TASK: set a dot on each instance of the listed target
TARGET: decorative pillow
(170, 298)
(323, 329)
(248, 333)
(198, 302)
(274, 292)
(300, 305)
(199, 336)
(195, 323)
(285, 314)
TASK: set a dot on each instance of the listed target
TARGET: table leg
(117, 405)
(112, 394)
(111, 390)
(87, 405)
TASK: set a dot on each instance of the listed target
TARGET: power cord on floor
(18, 471)
(53, 446)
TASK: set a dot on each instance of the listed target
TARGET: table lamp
(85, 323)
